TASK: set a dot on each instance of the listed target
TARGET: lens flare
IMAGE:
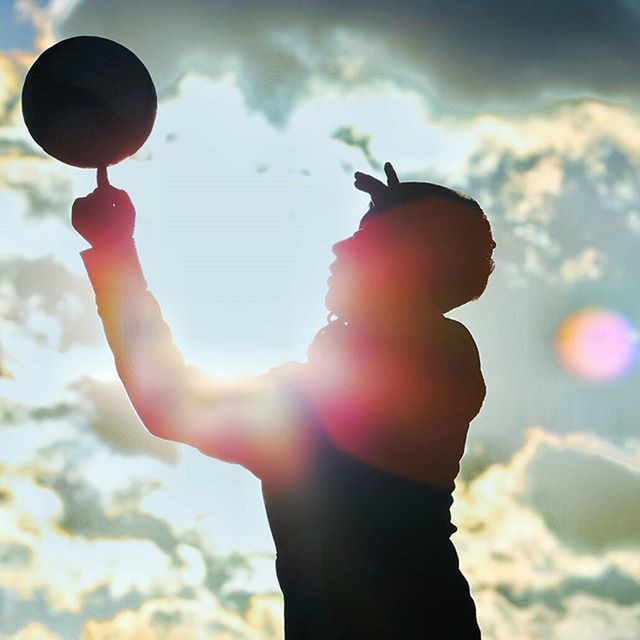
(597, 344)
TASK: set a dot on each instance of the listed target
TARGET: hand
(379, 191)
(106, 217)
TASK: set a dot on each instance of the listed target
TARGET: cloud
(11, 74)
(13, 413)
(101, 408)
(585, 496)
(551, 535)
(86, 559)
(84, 515)
(43, 184)
(59, 622)
(110, 415)
(43, 16)
(612, 586)
(13, 554)
(44, 189)
(5, 372)
(497, 56)
(29, 287)
(362, 141)
(173, 619)
(561, 189)
(586, 265)
(585, 617)
(34, 631)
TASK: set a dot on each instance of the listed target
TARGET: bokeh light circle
(597, 344)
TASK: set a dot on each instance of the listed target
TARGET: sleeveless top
(362, 551)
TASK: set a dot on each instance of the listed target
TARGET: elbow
(157, 429)
(155, 421)
(156, 408)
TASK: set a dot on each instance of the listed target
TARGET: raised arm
(252, 421)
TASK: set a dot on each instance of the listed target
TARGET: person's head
(419, 243)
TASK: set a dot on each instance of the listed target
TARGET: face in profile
(377, 271)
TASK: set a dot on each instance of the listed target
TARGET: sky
(265, 111)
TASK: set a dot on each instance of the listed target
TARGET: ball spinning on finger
(89, 102)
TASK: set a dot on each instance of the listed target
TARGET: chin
(331, 308)
(333, 304)
(344, 306)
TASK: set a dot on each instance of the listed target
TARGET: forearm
(150, 366)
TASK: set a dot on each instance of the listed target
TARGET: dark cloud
(612, 585)
(219, 574)
(87, 514)
(166, 619)
(83, 514)
(108, 410)
(466, 54)
(13, 413)
(14, 554)
(18, 610)
(361, 141)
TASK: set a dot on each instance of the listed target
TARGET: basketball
(89, 102)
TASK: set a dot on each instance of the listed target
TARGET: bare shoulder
(459, 339)
(463, 363)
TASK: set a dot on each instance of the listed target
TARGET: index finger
(103, 178)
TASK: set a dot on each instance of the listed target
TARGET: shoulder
(459, 340)
(459, 353)
(288, 371)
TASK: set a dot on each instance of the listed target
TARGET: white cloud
(34, 631)
(587, 265)
(176, 619)
(552, 536)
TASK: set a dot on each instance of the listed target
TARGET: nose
(339, 247)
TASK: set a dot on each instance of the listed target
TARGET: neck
(405, 331)
(396, 321)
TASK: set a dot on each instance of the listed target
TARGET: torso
(361, 552)
(362, 532)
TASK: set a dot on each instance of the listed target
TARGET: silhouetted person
(357, 448)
